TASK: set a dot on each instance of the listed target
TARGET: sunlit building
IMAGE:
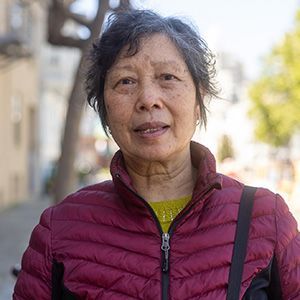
(57, 72)
(20, 34)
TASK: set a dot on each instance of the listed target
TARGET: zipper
(165, 245)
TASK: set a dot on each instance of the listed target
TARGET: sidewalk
(16, 224)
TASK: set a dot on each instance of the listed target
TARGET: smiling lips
(151, 129)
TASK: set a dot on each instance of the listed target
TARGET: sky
(247, 29)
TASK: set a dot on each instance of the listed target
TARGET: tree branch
(56, 19)
(124, 6)
(103, 7)
(80, 19)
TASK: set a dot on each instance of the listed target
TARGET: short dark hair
(127, 29)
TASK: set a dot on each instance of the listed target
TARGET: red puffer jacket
(104, 242)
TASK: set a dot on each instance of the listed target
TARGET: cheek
(107, 107)
(117, 117)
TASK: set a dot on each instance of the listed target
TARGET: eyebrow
(122, 67)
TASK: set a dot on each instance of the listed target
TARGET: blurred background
(51, 143)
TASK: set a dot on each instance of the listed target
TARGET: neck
(158, 181)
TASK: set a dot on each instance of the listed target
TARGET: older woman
(164, 227)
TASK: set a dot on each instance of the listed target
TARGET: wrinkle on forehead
(174, 59)
(147, 59)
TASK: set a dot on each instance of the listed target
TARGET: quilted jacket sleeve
(287, 251)
(34, 280)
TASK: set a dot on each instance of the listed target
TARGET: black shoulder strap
(240, 244)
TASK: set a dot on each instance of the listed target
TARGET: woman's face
(150, 100)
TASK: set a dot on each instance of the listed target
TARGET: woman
(164, 227)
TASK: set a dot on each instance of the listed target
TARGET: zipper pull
(165, 247)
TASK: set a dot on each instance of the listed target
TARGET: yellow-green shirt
(167, 210)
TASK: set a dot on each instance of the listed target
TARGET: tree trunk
(66, 179)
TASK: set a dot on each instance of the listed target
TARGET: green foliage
(276, 94)
(225, 149)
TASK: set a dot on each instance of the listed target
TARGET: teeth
(149, 130)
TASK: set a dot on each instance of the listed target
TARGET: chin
(153, 155)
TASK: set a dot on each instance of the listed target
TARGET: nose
(150, 96)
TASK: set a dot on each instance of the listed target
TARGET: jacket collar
(202, 159)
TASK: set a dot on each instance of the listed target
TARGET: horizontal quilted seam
(30, 278)
(219, 265)
(264, 215)
(260, 265)
(218, 201)
(30, 248)
(279, 253)
(201, 272)
(88, 205)
(261, 237)
(226, 206)
(91, 207)
(295, 264)
(198, 232)
(31, 244)
(37, 275)
(295, 297)
(118, 268)
(98, 189)
(100, 296)
(257, 257)
(149, 234)
(212, 226)
(257, 214)
(204, 289)
(285, 281)
(19, 296)
(112, 246)
(291, 264)
(89, 284)
(112, 287)
(206, 293)
(197, 252)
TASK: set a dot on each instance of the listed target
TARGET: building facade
(20, 36)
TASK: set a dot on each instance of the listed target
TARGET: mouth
(151, 128)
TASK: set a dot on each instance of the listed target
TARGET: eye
(125, 84)
(126, 81)
(169, 77)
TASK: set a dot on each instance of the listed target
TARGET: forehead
(155, 49)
